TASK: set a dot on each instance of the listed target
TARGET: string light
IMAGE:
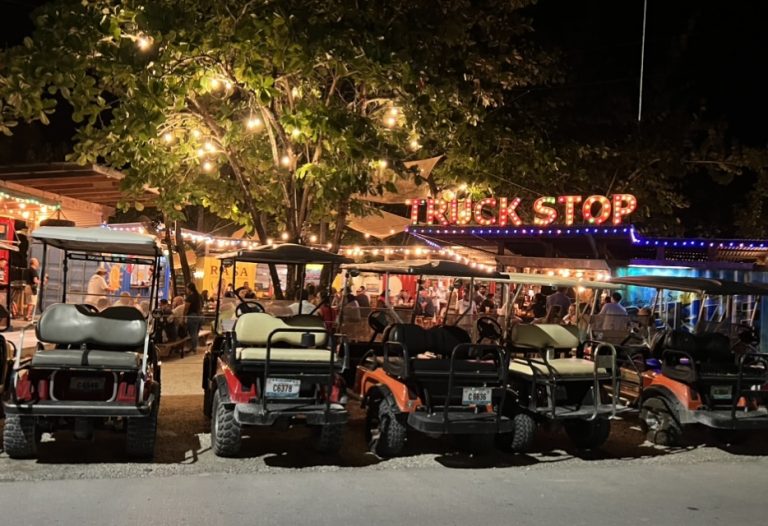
(414, 144)
(313, 238)
(209, 146)
(196, 133)
(284, 236)
(144, 42)
(383, 163)
(168, 137)
(295, 133)
(208, 166)
(285, 160)
(253, 123)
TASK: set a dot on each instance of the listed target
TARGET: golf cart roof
(720, 287)
(286, 254)
(425, 267)
(556, 281)
(99, 240)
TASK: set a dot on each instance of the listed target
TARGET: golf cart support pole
(64, 278)
(503, 363)
(218, 297)
(142, 376)
(41, 278)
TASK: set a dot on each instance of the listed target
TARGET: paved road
(432, 483)
(711, 493)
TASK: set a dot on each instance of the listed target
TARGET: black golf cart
(277, 362)
(549, 380)
(91, 369)
(434, 380)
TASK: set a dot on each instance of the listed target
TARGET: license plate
(282, 388)
(87, 385)
(476, 396)
(722, 392)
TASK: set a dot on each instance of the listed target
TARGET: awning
(380, 225)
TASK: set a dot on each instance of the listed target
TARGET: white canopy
(98, 240)
(555, 281)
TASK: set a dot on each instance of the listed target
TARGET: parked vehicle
(431, 380)
(549, 380)
(275, 364)
(90, 369)
(712, 375)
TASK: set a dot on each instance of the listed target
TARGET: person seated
(613, 306)
(488, 305)
(304, 306)
(424, 305)
(403, 297)
(125, 300)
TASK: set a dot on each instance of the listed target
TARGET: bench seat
(283, 354)
(73, 358)
(564, 367)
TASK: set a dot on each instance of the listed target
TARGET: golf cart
(433, 380)
(271, 365)
(711, 375)
(90, 369)
(550, 381)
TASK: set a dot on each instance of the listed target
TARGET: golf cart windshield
(98, 267)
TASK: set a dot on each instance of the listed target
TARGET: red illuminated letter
(545, 215)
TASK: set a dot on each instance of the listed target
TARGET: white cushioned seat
(58, 358)
(543, 336)
(252, 331)
(570, 367)
(282, 354)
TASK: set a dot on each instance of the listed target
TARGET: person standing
(97, 287)
(193, 310)
(362, 298)
(33, 282)
(560, 299)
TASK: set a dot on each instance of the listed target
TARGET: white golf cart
(90, 369)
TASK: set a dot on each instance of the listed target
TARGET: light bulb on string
(253, 123)
(208, 166)
(196, 133)
(209, 146)
(313, 238)
(144, 42)
(284, 236)
(295, 133)
(285, 160)
(168, 137)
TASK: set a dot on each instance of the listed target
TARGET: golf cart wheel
(20, 436)
(330, 438)
(225, 430)
(659, 424)
(384, 431)
(140, 435)
(522, 435)
(588, 435)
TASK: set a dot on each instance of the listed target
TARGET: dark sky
(707, 55)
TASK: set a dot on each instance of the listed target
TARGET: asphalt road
(280, 479)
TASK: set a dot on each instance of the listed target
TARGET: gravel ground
(183, 447)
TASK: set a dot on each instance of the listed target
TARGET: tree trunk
(169, 244)
(182, 254)
(341, 222)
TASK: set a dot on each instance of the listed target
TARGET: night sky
(704, 56)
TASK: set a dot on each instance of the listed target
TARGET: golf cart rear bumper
(81, 409)
(459, 423)
(256, 415)
(757, 419)
(582, 413)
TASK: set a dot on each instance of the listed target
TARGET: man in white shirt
(303, 306)
(614, 307)
(97, 287)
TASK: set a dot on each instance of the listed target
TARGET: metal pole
(642, 64)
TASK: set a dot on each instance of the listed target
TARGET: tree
(271, 113)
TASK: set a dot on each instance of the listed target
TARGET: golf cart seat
(288, 344)
(538, 338)
(440, 341)
(110, 339)
(541, 338)
(561, 367)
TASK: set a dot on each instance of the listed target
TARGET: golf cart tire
(659, 423)
(140, 435)
(391, 430)
(20, 436)
(330, 438)
(587, 434)
(522, 435)
(226, 434)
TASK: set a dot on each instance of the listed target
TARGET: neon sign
(594, 210)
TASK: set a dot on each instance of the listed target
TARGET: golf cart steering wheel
(488, 328)
(246, 306)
